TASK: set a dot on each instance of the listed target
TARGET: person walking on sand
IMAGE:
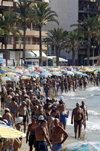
(59, 136)
(42, 137)
(77, 113)
(31, 133)
(85, 117)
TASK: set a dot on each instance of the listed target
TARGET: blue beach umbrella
(7, 79)
(82, 146)
(35, 75)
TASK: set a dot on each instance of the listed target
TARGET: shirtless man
(77, 113)
(7, 115)
(85, 117)
(31, 131)
(13, 108)
(29, 104)
(41, 137)
(2, 93)
(22, 111)
(59, 136)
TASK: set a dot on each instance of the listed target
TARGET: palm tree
(74, 41)
(23, 11)
(42, 14)
(7, 26)
(57, 37)
(89, 27)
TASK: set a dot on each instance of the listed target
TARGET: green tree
(23, 12)
(7, 26)
(42, 14)
(89, 27)
(57, 37)
(74, 41)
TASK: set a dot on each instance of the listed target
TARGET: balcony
(6, 3)
(30, 33)
(31, 46)
(9, 46)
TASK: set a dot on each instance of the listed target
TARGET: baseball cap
(34, 117)
(41, 117)
(7, 109)
(25, 95)
(30, 90)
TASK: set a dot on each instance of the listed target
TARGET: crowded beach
(32, 103)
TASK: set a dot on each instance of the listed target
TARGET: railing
(31, 43)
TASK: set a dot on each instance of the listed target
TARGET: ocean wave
(93, 113)
(92, 89)
(93, 126)
(69, 94)
(78, 98)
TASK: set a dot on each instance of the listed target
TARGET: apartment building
(15, 45)
(91, 7)
(69, 11)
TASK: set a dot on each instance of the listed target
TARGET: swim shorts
(41, 146)
(32, 140)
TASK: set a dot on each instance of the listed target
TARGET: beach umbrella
(82, 146)
(7, 79)
(25, 77)
(9, 132)
(35, 75)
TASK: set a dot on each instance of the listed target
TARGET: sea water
(91, 96)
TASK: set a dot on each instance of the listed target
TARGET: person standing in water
(85, 116)
(77, 113)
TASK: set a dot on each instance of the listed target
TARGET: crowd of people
(35, 100)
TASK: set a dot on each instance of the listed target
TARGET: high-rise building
(91, 7)
(69, 11)
(15, 45)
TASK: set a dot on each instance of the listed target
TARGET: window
(52, 49)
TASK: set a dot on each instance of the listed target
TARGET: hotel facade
(15, 45)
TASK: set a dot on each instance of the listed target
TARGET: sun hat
(41, 117)
(18, 120)
(7, 109)
(24, 103)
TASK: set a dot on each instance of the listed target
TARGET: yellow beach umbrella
(9, 74)
(9, 132)
(87, 69)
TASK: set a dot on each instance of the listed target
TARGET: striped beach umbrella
(9, 132)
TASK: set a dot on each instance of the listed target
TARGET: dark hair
(34, 104)
(38, 97)
(53, 111)
(8, 92)
(43, 121)
(13, 99)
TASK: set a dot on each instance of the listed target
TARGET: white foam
(93, 126)
(69, 94)
(93, 113)
(78, 98)
(92, 88)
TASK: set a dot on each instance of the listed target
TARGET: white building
(67, 11)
